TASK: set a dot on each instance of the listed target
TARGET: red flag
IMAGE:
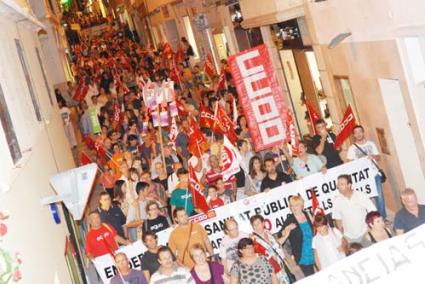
(179, 55)
(197, 142)
(209, 68)
(81, 92)
(223, 124)
(89, 141)
(346, 127)
(292, 134)
(181, 109)
(206, 117)
(84, 159)
(313, 115)
(167, 51)
(221, 84)
(316, 209)
(116, 119)
(196, 189)
(174, 73)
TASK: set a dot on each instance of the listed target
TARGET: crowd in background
(145, 178)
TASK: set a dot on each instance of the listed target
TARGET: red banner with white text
(260, 96)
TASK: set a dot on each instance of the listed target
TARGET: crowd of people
(146, 183)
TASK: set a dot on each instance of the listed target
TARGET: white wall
(31, 229)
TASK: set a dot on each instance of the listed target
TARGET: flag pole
(161, 143)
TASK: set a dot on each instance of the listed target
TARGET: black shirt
(150, 262)
(272, 183)
(156, 225)
(329, 151)
(114, 217)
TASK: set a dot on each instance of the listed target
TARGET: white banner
(273, 205)
(396, 260)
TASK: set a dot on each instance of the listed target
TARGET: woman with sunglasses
(307, 164)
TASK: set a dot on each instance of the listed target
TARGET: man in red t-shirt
(102, 238)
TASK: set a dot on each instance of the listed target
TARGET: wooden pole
(161, 143)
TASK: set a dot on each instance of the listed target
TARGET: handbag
(381, 172)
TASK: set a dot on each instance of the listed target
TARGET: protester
(137, 211)
(111, 214)
(307, 164)
(154, 222)
(125, 273)
(169, 272)
(349, 210)
(213, 200)
(101, 238)
(329, 244)
(298, 228)
(185, 235)
(204, 271)
(181, 196)
(366, 148)
(256, 176)
(267, 245)
(65, 113)
(251, 268)
(273, 178)
(412, 214)
(229, 244)
(377, 230)
(149, 261)
(323, 144)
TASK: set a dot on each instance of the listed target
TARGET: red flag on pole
(224, 125)
(81, 92)
(196, 188)
(206, 117)
(292, 134)
(312, 114)
(209, 66)
(316, 209)
(84, 159)
(116, 119)
(346, 127)
(167, 51)
(179, 55)
(221, 84)
(197, 142)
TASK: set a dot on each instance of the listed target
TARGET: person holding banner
(101, 238)
(273, 178)
(362, 148)
(267, 245)
(307, 164)
(149, 260)
(256, 174)
(350, 208)
(186, 235)
(298, 228)
(125, 273)
(251, 268)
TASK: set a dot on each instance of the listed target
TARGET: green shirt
(182, 198)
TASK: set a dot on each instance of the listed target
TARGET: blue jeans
(379, 200)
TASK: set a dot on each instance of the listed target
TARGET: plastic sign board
(73, 187)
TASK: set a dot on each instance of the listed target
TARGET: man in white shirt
(349, 210)
(366, 148)
(229, 245)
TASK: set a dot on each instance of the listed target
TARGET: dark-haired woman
(256, 176)
(251, 268)
(377, 230)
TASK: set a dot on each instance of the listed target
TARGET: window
(28, 79)
(346, 95)
(9, 130)
(43, 72)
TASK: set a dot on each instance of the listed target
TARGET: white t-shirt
(369, 147)
(352, 212)
(327, 247)
(172, 181)
(229, 249)
(181, 275)
(131, 216)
